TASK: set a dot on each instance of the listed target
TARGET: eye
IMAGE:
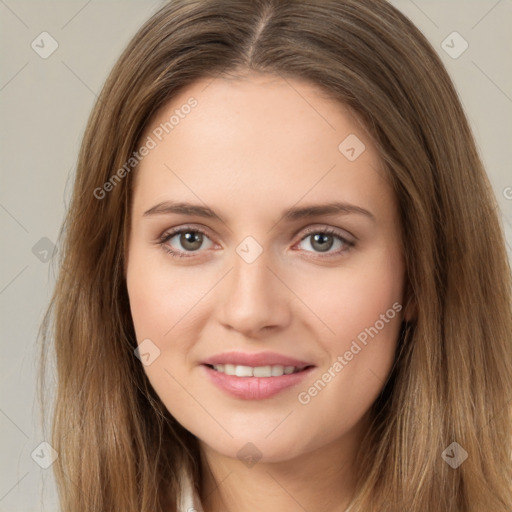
(185, 241)
(323, 240)
(190, 239)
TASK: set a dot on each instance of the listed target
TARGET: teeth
(255, 371)
(262, 371)
(277, 371)
(243, 371)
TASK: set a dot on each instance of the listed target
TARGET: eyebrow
(291, 214)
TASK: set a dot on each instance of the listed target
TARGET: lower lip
(255, 388)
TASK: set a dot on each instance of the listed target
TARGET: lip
(255, 359)
(255, 388)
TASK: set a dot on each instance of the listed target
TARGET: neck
(323, 479)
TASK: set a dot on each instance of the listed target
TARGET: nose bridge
(254, 297)
(251, 276)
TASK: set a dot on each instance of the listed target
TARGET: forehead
(258, 138)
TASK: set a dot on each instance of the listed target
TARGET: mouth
(255, 376)
(257, 371)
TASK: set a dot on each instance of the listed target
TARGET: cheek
(160, 297)
(162, 303)
(169, 306)
(361, 308)
(350, 299)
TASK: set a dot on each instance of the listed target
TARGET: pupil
(193, 238)
(321, 238)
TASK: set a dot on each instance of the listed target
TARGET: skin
(254, 146)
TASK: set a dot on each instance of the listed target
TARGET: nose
(254, 297)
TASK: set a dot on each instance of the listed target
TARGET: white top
(189, 500)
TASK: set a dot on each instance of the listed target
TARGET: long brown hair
(119, 448)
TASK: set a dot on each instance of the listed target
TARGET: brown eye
(322, 241)
(185, 240)
(191, 240)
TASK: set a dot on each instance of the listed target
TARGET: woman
(284, 284)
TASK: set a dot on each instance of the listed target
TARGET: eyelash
(162, 241)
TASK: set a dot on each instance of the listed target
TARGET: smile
(256, 371)
(255, 382)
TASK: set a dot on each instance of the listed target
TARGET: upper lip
(255, 359)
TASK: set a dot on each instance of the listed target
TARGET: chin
(255, 450)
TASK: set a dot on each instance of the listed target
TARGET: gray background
(44, 105)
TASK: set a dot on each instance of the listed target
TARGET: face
(264, 267)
